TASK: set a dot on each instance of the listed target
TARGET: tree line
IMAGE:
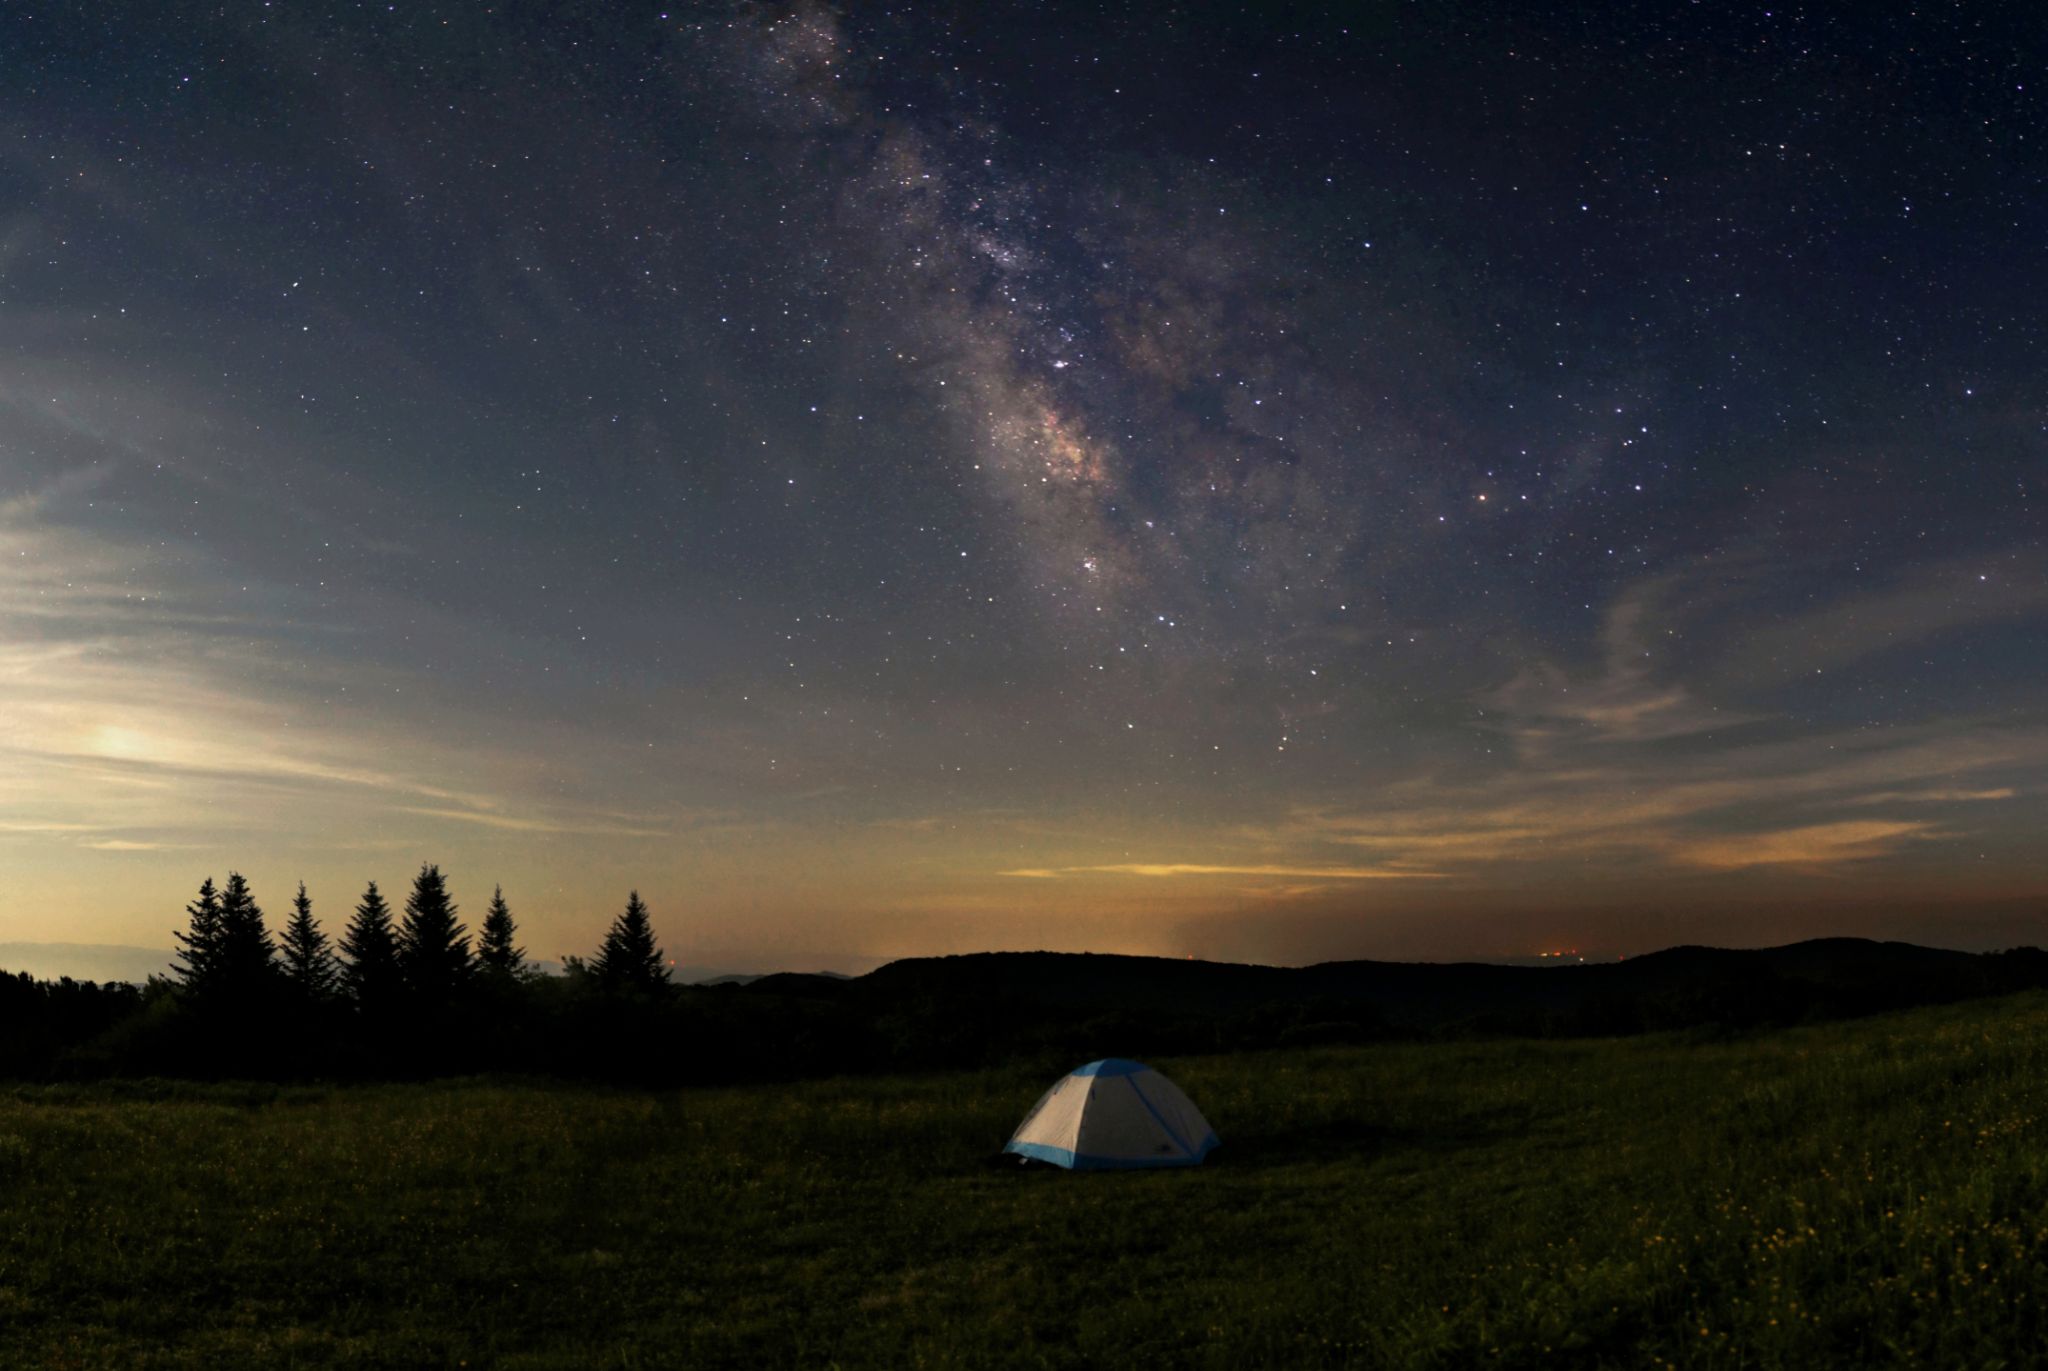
(406, 993)
(420, 960)
(397, 992)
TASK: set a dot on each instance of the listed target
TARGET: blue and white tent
(1114, 1115)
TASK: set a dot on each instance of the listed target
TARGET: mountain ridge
(1689, 983)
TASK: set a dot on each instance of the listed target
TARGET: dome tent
(1113, 1115)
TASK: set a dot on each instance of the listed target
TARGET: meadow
(1863, 1193)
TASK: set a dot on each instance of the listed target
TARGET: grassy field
(1859, 1194)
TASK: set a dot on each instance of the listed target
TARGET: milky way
(1264, 485)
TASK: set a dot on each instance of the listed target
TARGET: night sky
(1411, 480)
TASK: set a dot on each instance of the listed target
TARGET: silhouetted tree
(41, 1021)
(629, 960)
(246, 955)
(433, 949)
(309, 964)
(198, 955)
(496, 951)
(371, 947)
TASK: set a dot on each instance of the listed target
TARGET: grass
(1859, 1194)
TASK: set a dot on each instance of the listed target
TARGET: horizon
(93, 961)
(1265, 488)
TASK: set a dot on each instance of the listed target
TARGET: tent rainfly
(1114, 1115)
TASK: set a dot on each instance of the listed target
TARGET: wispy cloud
(1914, 605)
(1169, 870)
(520, 824)
(1657, 809)
(1816, 845)
(1633, 697)
(926, 824)
(1934, 797)
(22, 505)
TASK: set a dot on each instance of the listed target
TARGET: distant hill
(1051, 1009)
(1823, 978)
(690, 976)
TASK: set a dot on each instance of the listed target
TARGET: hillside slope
(1820, 978)
(1856, 1194)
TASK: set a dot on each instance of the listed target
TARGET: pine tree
(629, 959)
(308, 962)
(199, 957)
(495, 948)
(433, 949)
(246, 954)
(371, 948)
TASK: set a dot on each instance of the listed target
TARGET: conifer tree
(308, 961)
(629, 959)
(496, 950)
(371, 948)
(433, 949)
(246, 954)
(199, 956)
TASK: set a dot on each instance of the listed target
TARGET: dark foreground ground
(1858, 1194)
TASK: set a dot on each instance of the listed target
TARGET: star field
(1268, 483)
